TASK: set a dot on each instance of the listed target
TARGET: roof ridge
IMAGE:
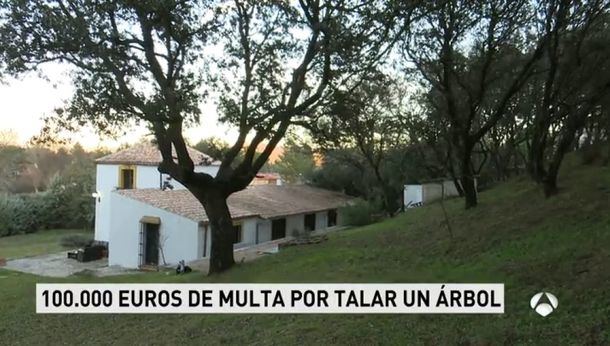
(148, 154)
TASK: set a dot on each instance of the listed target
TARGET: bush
(361, 213)
(24, 213)
(67, 204)
(6, 215)
(71, 197)
(76, 241)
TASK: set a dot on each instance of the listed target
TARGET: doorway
(151, 244)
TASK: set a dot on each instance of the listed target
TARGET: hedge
(66, 204)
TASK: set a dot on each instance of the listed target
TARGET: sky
(26, 100)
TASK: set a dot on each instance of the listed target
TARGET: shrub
(361, 213)
(71, 197)
(76, 241)
(6, 215)
(65, 205)
(23, 213)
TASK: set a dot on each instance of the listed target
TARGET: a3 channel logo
(544, 303)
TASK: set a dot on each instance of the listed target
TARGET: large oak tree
(155, 61)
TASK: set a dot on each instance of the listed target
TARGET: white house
(151, 227)
(134, 168)
(144, 224)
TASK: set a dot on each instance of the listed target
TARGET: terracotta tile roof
(266, 201)
(147, 154)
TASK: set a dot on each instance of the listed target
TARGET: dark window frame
(278, 233)
(331, 218)
(124, 185)
(237, 233)
(310, 222)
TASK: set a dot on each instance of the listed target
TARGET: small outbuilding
(417, 194)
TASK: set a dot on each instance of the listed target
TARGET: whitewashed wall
(107, 180)
(211, 170)
(295, 224)
(248, 229)
(428, 192)
(413, 194)
(434, 191)
(264, 230)
(321, 220)
(181, 238)
(178, 235)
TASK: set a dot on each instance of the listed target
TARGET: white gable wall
(148, 177)
(107, 180)
(211, 170)
(178, 235)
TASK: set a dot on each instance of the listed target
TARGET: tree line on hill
(456, 86)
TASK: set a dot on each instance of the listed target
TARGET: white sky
(26, 100)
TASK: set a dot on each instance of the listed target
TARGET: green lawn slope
(39, 243)
(514, 237)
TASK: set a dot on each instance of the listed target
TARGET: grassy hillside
(516, 236)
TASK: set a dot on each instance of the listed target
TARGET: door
(310, 222)
(278, 229)
(151, 244)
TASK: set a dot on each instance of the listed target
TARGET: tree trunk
(389, 203)
(458, 186)
(550, 185)
(535, 164)
(468, 181)
(221, 226)
(456, 181)
(470, 191)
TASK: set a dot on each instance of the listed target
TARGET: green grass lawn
(43, 242)
(515, 236)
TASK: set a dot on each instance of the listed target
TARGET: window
(332, 218)
(127, 177)
(278, 229)
(310, 222)
(237, 234)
